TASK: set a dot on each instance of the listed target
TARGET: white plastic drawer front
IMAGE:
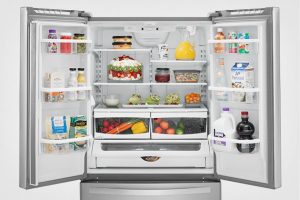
(124, 114)
(179, 115)
(150, 191)
(127, 153)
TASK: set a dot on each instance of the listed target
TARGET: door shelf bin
(65, 145)
(183, 125)
(139, 129)
(77, 47)
(223, 145)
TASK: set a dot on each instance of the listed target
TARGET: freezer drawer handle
(150, 158)
(150, 192)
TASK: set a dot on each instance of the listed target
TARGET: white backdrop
(9, 87)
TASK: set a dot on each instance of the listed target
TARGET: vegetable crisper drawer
(151, 191)
(121, 126)
(154, 154)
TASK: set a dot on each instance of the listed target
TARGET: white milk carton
(242, 76)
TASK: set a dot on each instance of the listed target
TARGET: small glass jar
(79, 47)
(162, 75)
(66, 47)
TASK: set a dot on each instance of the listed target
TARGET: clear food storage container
(187, 76)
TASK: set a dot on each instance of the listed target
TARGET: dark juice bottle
(245, 130)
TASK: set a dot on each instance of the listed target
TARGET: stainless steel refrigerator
(135, 149)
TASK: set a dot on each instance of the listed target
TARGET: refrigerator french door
(64, 163)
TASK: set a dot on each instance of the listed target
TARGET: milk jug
(224, 127)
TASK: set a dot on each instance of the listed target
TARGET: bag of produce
(78, 129)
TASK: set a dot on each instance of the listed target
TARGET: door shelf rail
(65, 141)
(179, 61)
(234, 41)
(66, 41)
(69, 89)
(235, 141)
(121, 50)
(228, 89)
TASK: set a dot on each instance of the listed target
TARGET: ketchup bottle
(245, 130)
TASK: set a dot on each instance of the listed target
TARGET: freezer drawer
(158, 153)
(151, 191)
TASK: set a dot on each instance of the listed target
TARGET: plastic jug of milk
(224, 127)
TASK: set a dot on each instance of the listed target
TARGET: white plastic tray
(152, 106)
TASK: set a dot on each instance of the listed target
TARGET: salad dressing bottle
(72, 96)
(81, 81)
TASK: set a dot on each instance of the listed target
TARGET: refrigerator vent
(247, 12)
(53, 12)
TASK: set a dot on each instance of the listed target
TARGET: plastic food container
(122, 45)
(187, 76)
(126, 38)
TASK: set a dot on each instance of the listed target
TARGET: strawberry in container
(125, 68)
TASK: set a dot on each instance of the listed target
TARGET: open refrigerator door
(244, 83)
(55, 83)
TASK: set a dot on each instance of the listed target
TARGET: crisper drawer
(150, 154)
(151, 191)
(179, 125)
(125, 125)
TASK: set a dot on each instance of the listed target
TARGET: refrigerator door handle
(150, 192)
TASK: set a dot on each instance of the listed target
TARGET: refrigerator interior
(149, 149)
(146, 153)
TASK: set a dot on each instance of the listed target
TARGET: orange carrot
(122, 127)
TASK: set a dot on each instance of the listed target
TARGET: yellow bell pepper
(139, 127)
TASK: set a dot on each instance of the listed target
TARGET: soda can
(232, 47)
(232, 35)
(244, 47)
(245, 35)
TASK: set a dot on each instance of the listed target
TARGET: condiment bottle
(81, 81)
(52, 46)
(220, 47)
(72, 96)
